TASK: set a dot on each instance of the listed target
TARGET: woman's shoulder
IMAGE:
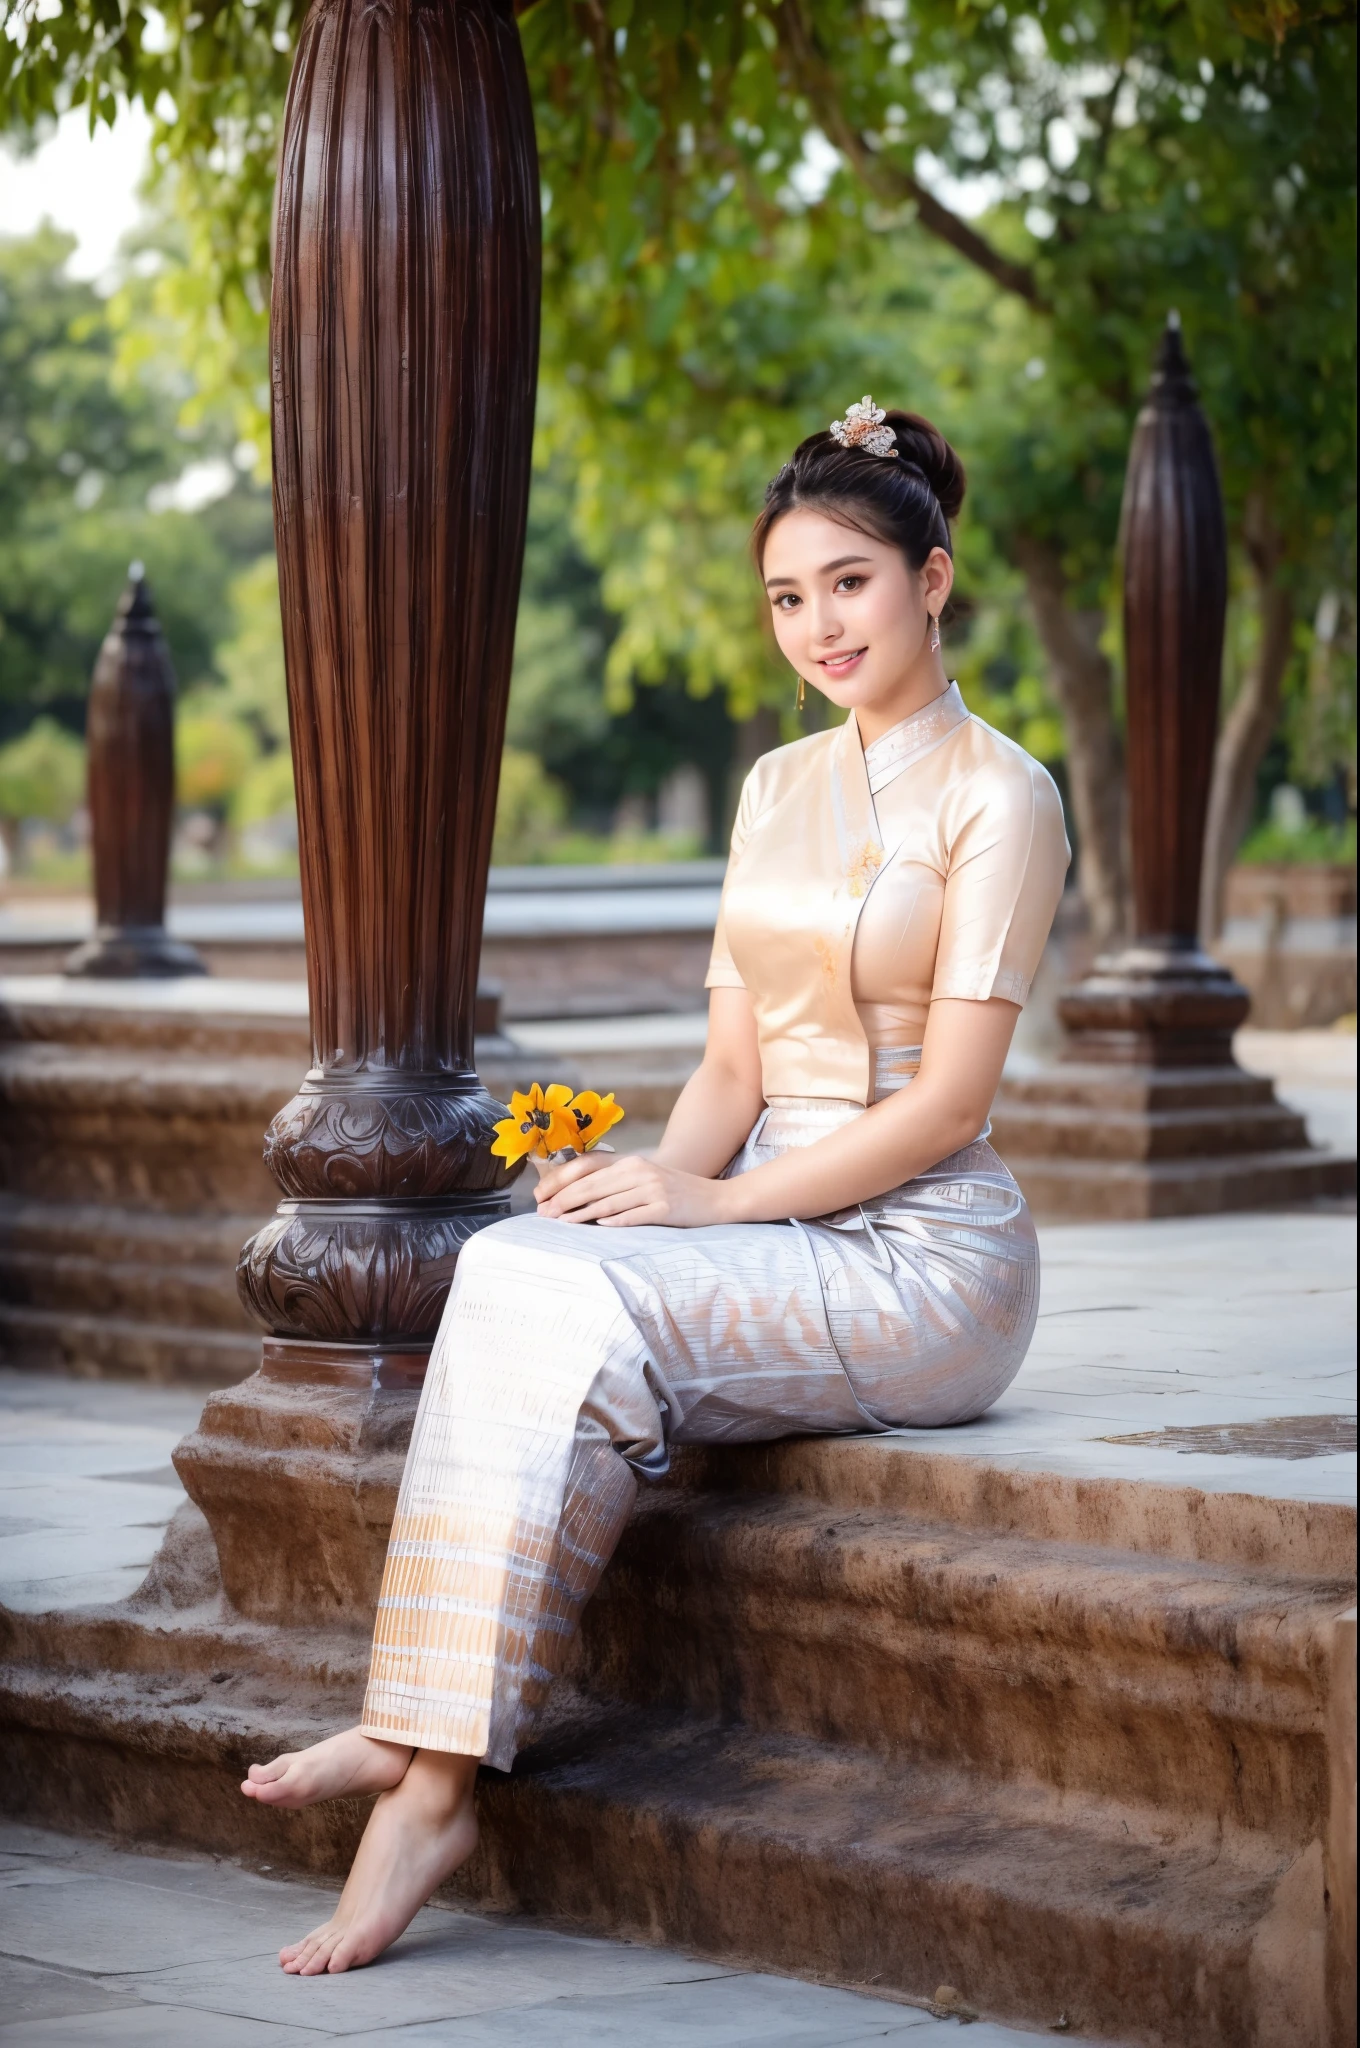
(995, 768)
(783, 769)
(998, 786)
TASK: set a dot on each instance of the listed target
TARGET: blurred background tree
(757, 209)
(42, 781)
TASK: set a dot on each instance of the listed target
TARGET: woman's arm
(713, 1112)
(944, 1108)
(723, 1097)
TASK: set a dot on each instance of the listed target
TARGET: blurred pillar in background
(130, 753)
(1163, 1001)
(1148, 1113)
(404, 341)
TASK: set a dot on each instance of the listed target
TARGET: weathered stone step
(93, 1281)
(1088, 1190)
(791, 1854)
(89, 1346)
(60, 1230)
(829, 1862)
(94, 1078)
(1180, 1685)
(904, 1473)
(1162, 1134)
(1076, 1084)
(139, 1129)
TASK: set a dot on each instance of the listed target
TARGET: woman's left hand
(634, 1190)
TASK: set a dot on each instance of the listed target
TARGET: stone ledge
(1122, 1190)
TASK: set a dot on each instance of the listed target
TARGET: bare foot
(342, 1765)
(417, 1835)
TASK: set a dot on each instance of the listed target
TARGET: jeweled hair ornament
(863, 428)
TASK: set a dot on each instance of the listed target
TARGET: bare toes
(297, 1952)
(265, 1774)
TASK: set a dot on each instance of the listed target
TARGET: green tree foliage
(81, 450)
(756, 209)
(42, 776)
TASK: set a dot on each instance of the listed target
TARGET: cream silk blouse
(865, 884)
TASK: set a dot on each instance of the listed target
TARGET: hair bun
(923, 445)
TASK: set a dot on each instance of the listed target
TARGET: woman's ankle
(441, 1782)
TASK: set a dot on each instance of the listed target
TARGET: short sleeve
(1007, 865)
(722, 969)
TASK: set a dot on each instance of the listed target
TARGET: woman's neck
(922, 684)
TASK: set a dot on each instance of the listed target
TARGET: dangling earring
(934, 634)
(802, 693)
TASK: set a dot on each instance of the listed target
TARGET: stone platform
(1051, 1708)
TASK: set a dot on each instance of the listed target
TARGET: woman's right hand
(553, 1178)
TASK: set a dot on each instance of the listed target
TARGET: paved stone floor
(104, 1946)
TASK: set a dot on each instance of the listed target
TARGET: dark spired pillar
(130, 763)
(1164, 1001)
(404, 340)
(1148, 1113)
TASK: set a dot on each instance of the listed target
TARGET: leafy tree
(83, 448)
(725, 175)
(42, 775)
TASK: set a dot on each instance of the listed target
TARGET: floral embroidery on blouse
(863, 868)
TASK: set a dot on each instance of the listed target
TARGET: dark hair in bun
(907, 500)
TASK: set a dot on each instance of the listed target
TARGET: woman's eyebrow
(827, 569)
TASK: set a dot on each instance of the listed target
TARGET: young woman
(824, 1240)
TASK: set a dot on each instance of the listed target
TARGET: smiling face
(853, 617)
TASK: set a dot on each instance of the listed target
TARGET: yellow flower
(593, 1115)
(538, 1122)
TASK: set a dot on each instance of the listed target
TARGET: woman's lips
(837, 664)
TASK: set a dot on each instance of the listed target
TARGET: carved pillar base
(1154, 1005)
(1147, 1113)
(133, 953)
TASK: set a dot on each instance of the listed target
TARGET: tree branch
(887, 179)
(1084, 687)
(1250, 724)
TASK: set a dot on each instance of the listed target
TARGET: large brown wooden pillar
(403, 357)
(130, 768)
(1148, 1112)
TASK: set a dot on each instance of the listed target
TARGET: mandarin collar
(887, 756)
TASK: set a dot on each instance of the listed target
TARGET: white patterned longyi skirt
(570, 1358)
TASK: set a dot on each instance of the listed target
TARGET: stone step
(1081, 1084)
(1110, 1136)
(1078, 1190)
(1185, 1686)
(131, 1237)
(902, 1473)
(91, 1289)
(126, 1347)
(42, 1077)
(834, 1863)
(140, 1129)
(795, 1855)
(139, 1282)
